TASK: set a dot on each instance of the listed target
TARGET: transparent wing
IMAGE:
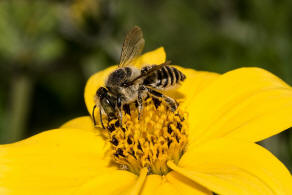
(132, 46)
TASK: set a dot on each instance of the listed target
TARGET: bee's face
(107, 102)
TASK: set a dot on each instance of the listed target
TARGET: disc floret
(157, 137)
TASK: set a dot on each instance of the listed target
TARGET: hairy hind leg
(119, 105)
(141, 90)
(171, 102)
(100, 116)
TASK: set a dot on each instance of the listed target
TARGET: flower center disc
(157, 137)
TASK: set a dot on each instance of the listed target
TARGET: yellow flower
(207, 145)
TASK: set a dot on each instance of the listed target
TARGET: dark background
(48, 49)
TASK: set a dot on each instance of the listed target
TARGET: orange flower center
(159, 136)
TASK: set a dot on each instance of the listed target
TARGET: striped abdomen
(164, 78)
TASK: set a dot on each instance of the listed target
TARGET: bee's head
(107, 102)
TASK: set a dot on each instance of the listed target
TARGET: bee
(129, 84)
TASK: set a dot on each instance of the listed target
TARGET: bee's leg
(141, 90)
(171, 102)
(93, 117)
(100, 117)
(119, 105)
(126, 109)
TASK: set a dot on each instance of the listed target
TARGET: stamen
(158, 137)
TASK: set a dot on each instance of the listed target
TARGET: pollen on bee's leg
(158, 137)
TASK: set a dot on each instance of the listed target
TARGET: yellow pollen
(159, 136)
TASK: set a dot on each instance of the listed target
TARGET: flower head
(159, 136)
(207, 145)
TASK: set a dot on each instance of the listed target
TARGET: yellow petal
(55, 161)
(156, 56)
(248, 103)
(235, 167)
(110, 182)
(83, 122)
(172, 183)
(194, 83)
(139, 182)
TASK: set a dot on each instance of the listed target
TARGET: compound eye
(101, 92)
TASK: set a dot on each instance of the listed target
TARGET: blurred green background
(48, 49)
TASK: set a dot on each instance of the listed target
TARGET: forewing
(132, 46)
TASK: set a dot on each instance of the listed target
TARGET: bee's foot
(139, 116)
